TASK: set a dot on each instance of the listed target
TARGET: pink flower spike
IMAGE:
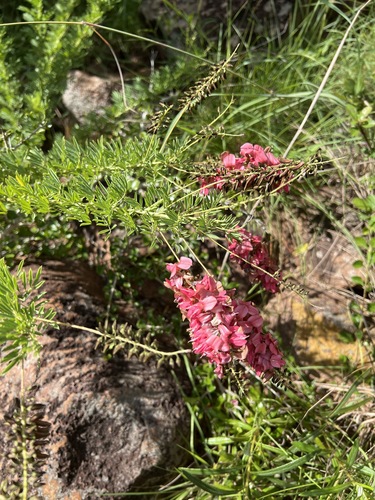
(249, 170)
(215, 342)
(265, 156)
(261, 348)
(221, 327)
(277, 361)
(238, 339)
(172, 283)
(203, 190)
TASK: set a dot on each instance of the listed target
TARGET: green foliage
(359, 87)
(21, 311)
(274, 443)
(278, 78)
(32, 80)
(128, 185)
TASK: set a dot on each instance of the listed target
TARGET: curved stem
(94, 25)
(117, 337)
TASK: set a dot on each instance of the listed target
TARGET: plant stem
(116, 337)
(93, 25)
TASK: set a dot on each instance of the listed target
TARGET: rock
(85, 94)
(212, 16)
(116, 423)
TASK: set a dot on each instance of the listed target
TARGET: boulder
(212, 17)
(86, 94)
(116, 424)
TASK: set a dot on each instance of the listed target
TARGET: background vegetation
(285, 439)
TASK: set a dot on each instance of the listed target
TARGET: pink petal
(228, 159)
(209, 303)
(184, 263)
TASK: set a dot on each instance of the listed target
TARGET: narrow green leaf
(5, 337)
(30, 277)
(9, 366)
(6, 311)
(353, 453)
(365, 469)
(14, 354)
(38, 285)
(213, 490)
(304, 447)
(212, 472)
(334, 7)
(219, 440)
(340, 408)
(320, 492)
(356, 405)
(20, 267)
(286, 467)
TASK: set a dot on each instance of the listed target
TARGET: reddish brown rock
(116, 423)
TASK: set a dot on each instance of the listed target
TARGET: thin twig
(117, 64)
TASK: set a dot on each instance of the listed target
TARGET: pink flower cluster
(248, 170)
(221, 327)
(249, 252)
